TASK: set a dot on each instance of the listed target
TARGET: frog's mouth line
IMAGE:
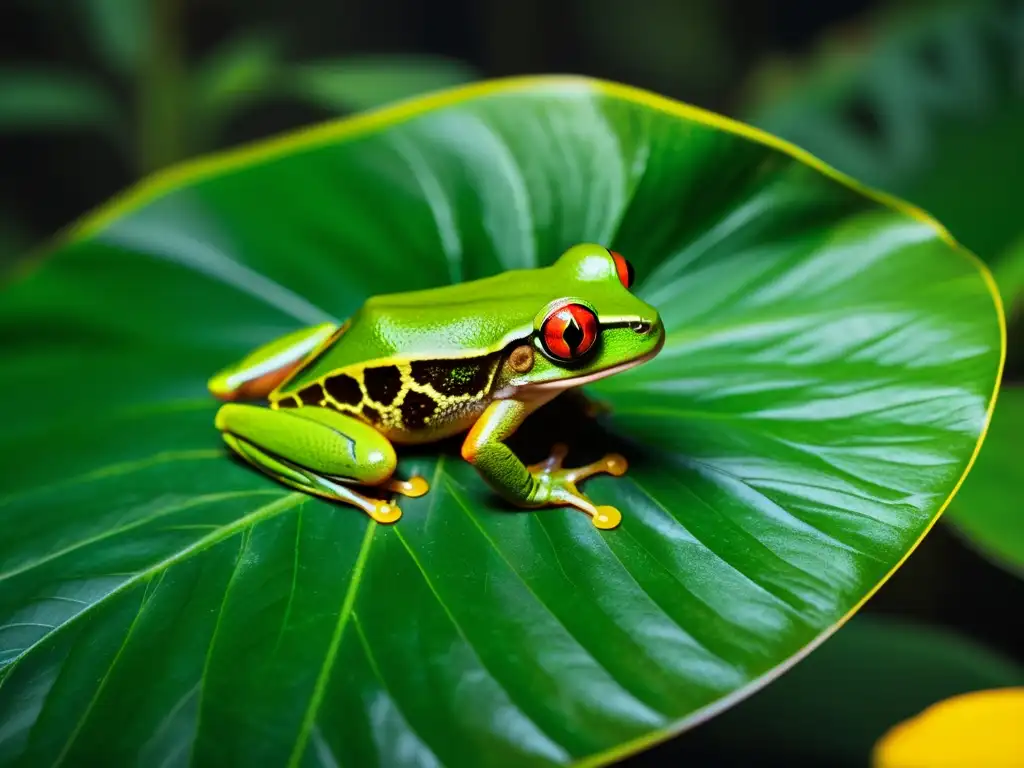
(579, 381)
(553, 387)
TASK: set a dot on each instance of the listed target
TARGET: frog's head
(594, 327)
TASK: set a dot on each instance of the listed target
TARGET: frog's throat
(551, 388)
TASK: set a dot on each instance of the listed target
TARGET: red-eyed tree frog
(416, 367)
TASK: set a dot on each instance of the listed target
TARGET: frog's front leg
(318, 451)
(265, 368)
(543, 484)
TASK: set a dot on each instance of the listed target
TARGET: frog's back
(419, 365)
(461, 320)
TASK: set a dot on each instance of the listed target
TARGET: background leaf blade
(904, 111)
(54, 100)
(987, 509)
(120, 31)
(240, 72)
(358, 83)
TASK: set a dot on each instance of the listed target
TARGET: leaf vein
(295, 578)
(146, 597)
(547, 609)
(782, 602)
(461, 632)
(371, 658)
(117, 470)
(283, 504)
(243, 548)
(320, 688)
(195, 501)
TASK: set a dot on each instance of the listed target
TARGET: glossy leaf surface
(829, 366)
(988, 509)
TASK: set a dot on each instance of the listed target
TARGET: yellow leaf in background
(984, 729)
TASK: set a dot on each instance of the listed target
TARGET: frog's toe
(414, 487)
(606, 518)
(561, 484)
(554, 461)
(612, 464)
(384, 512)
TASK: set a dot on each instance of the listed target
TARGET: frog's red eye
(569, 331)
(624, 268)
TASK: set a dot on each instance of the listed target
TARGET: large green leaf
(988, 509)
(829, 367)
(929, 107)
(833, 707)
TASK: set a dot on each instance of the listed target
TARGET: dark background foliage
(707, 52)
(701, 51)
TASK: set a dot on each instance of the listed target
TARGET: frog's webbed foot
(557, 485)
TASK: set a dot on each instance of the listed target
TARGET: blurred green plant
(671, 46)
(177, 108)
(988, 510)
(927, 103)
(924, 101)
(142, 96)
(13, 238)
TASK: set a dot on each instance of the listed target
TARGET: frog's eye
(624, 268)
(569, 331)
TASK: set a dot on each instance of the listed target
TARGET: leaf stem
(159, 87)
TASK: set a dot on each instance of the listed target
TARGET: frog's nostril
(642, 327)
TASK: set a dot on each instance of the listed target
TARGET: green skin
(421, 366)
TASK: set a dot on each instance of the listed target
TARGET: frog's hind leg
(264, 369)
(318, 451)
(310, 482)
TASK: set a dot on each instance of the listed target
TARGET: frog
(475, 358)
